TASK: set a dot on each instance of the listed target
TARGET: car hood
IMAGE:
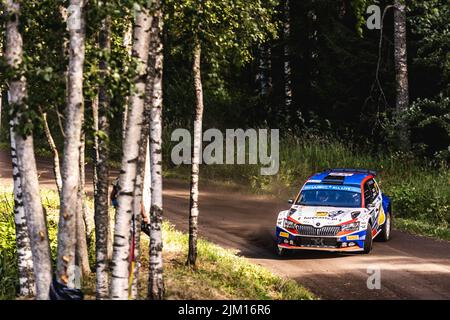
(323, 216)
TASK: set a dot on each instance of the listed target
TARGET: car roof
(342, 176)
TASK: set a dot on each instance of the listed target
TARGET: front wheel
(369, 240)
(385, 233)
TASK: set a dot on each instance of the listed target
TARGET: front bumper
(351, 242)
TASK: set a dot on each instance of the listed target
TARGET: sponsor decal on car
(331, 187)
(321, 214)
(382, 216)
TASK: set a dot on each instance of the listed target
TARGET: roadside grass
(8, 264)
(420, 190)
(220, 273)
(422, 228)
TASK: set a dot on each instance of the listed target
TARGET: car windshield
(330, 196)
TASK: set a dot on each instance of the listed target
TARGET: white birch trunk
(147, 184)
(121, 247)
(27, 285)
(52, 145)
(26, 162)
(70, 169)
(195, 167)
(82, 249)
(156, 275)
(128, 44)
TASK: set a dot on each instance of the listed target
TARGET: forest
(98, 87)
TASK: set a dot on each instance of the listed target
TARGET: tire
(281, 252)
(369, 240)
(385, 233)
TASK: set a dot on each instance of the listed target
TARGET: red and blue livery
(340, 210)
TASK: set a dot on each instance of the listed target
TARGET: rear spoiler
(348, 170)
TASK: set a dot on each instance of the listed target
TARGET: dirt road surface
(411, 267)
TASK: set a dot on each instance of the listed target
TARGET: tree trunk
(34, 212)
(146, 186)
(137, 207)
(87, 215)
(27, 286)
(263, 77)
(82, 251)
(124, 213)
(156, 275)
(70, 169)
(51, 143)
(287, 72)
(142, 173)
(102, 221)
(36, 220)
(401, 72)
(193, 205)
(128, 44)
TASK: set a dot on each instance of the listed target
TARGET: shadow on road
(265, 241)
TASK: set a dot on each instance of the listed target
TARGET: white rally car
(336, 210)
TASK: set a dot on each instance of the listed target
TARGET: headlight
(288, 224)
(351, 226)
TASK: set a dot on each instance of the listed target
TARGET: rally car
(340, 210)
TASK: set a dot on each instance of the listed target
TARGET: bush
(428, 119)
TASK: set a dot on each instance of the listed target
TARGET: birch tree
(70, 169)
(52, 145)
(401, 73)
(218, 28)
(138, 206)
(26, 163)
(195, 166)
(102, 223)
(128, 44)
(156, 275)
(27, 286)
(121, 246)
(23, 244)
(82, 250)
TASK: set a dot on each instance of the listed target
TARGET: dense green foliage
(333, 56)
(8, 263)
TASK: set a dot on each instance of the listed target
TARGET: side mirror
(290, 201)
